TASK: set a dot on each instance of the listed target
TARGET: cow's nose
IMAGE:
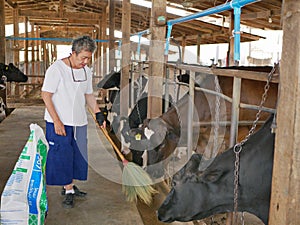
(163, 216)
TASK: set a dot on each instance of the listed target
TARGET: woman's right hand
(59, 128)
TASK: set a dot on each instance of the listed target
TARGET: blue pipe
(119, 47)
(237, 33)
(141, 32)
(224, 7)
(139, 45)
(168, 38)
(47, 39)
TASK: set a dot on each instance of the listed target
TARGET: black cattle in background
(206, 192)
(139, 112)
(9, 73)
(12, 73)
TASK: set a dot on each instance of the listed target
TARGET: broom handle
(104, 131)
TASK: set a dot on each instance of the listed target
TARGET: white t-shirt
(68, 96)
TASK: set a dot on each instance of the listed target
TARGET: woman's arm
(58, 125)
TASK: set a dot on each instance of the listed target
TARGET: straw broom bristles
(136, 183)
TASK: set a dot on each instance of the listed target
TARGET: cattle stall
(235, 73)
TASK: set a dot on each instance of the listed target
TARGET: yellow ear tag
(6, 68)
(138, 137)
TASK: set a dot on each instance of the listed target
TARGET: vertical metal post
(167, 90)
(190, 118)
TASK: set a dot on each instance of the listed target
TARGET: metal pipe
(224, 7)
(190, 119)
(237, 33)
(214, 10)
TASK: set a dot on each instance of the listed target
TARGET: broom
(136, 181)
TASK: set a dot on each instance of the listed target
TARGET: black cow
(138, 113)
(110, 80)
(205, 187)
(12, 73)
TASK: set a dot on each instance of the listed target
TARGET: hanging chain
(139, 91)
(217, 116)
(175, 88)
(238, 147)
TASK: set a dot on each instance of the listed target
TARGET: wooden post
(112, 62)
(183, 44)
(125, 65)
(2, 31)
(38, 43)
(16, 33)
(26, 70)
(156, 59)
(230, 57)
(285, 197)
(198, 47)
(16, 48)
(32, 52)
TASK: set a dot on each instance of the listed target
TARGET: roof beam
(260, 15)
(54, 15)
(11, 4)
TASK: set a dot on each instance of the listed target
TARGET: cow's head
(110, 80)
(12, 73)
(155, 137)
(196, 193)
(205, 187)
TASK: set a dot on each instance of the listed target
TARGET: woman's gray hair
(85, 43)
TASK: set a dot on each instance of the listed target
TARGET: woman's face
(81, 59)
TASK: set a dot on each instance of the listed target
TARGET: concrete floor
(105, 203)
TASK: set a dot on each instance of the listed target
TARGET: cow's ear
(212, 176)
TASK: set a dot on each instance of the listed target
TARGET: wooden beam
(54, 15)
(260, 15)
(285, 197)
(11, 4)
